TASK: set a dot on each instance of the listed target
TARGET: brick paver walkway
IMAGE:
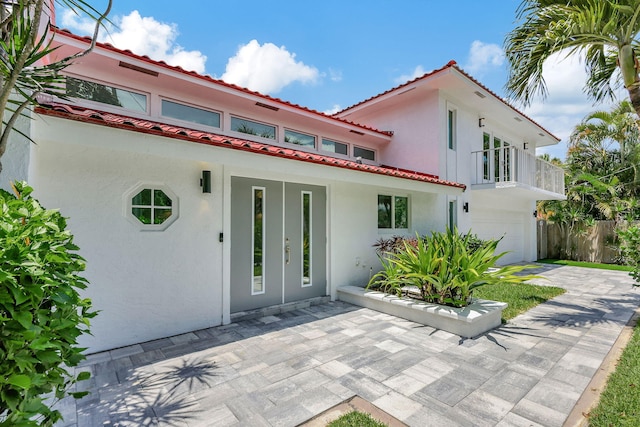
(282, 370)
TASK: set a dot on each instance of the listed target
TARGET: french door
(278, 242)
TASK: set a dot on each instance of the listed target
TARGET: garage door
(493, 225)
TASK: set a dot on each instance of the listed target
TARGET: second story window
(451, 129)
(335, 147)
(253, 128)
(364, 153)
(98, 92)
(190, 114)
(298, 138)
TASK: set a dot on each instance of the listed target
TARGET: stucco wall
(354, 230)
(146, 284)
(15, 161)
(152, 284)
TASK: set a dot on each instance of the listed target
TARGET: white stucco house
(193, 199)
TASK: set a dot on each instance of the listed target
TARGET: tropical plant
(41, 311)
(630, 247)
(603, 33)
(23, 75)
(443, 269)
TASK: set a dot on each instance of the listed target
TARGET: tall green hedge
(41, 312)
(630, 248)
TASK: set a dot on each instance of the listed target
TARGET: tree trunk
(634, 96)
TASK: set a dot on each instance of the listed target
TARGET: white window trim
(453, 134)
(303, 193)
(393, 228)
(128, 206)
(375, 154)
(109, 107)
(253, 224)
(186, 123)
(315, 139)
(261, 138)
(333, 153)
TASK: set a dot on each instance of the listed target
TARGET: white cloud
(566, 104)
(267, 68)
(483, 57)
(335, 75)
(417, 72)
(143, 36)
(331, 111)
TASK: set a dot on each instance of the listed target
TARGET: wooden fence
(595, 244)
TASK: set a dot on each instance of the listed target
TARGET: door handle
(287, 251)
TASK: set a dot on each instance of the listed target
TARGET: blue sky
(331, 54)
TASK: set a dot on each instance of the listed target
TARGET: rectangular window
(486, 146)
(507, 161)
(190, 114)
(451, 129)
(497, 144)
(453, 214)
(306, 238)
(98, 92)
(335, 147)
(393, 212)
(253, 128)
(258, 223)
(298, 138)
(364, 153)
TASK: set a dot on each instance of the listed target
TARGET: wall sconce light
(205, 181)
(525, 145)
(465, 207)
(535, 214)
(481, 122)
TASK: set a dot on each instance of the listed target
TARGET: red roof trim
(176, 132)
(210, 79)
(454, 65)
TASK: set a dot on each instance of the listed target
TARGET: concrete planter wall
(468, 322)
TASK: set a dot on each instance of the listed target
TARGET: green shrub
(630, 248)
(41, 313)
(444, 268)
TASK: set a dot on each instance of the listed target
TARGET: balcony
(517, 171)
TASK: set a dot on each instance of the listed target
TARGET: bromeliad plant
(444, 268)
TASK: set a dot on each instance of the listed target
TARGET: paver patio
(283, 370)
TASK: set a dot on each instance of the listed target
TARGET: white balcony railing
(512, 165)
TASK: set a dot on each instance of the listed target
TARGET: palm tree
(22, 74)
(619, 125)
(603, 32)
(592, 146)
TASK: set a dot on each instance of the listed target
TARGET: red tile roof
(210, 79)
(454, 65)
(177, 132)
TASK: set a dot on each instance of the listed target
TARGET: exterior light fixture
(205, 181)
(465, 207)
(535, 214)
(525, 145)
(481, 122)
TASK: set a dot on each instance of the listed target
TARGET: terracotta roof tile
(155, 128)
(454, 65)
(217, 81)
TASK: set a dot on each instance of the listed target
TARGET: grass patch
(356, 419)
(586, 264)
(620, 402)
(520, 296)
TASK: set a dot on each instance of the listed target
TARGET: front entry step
(278, 309)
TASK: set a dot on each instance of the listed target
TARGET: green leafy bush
(443, 268)
(630, 248)
(41, 312)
